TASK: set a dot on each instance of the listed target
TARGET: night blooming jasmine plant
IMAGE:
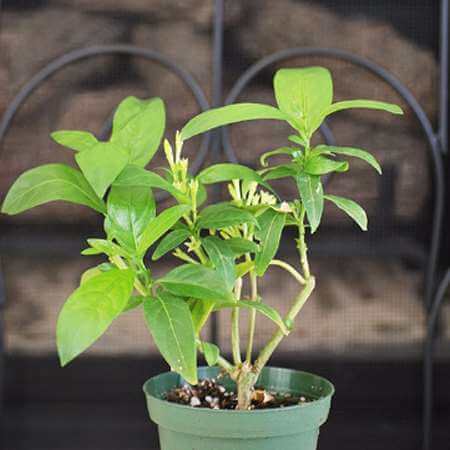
(220, 246)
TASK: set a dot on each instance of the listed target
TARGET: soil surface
(210, 393)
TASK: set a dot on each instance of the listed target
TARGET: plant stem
(252, 317)
(276, 338)
(235, 339)
(245, 383)
(303, 249)
(121, 264)
(288, 268)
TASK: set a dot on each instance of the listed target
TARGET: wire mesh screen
(370, 285)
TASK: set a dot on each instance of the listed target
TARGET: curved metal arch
(79, 54)
(428, 360)
(406, 95)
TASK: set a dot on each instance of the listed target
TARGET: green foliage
(227, 115)
(170, 323)
(138, 128)
(271, 226)
(225, 247)
(224, 215)
(311, 194)
(75, 140)
(197, 281)
(49, 183)
(171, 241)
(90, 310)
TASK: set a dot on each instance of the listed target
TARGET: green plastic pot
(291, 428)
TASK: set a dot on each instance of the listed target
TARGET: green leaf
(170, 323)
(89, 311)
(76, 140)
(349, 151)
(239, 246)
(159, 225)
(271, 226)
(311, 194)
(319, 165)
(227, 171)
(101, 164)
(135, 176)
(222, 258)
(281, 171)
(362, 104)
(262, 308)
(211, 353)
(304, 94)
(279, 151)
(197, 281)
(227, 115)
(351, 208)
(49, 183)
(297, 140)
(133, 302)
(129, 212)
(223, 215)
(138, 128)
(244, 268)
(200, 311)
(169, 242)
(98, 246)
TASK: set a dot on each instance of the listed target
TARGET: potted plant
(221, 247)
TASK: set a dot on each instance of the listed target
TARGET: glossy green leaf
(133, 302)
(200, 312)
(49, 183)
(362, 104)
(222, 258)
(239, 246)
(75, 140)
(350, 151)
(281, 171)
(89, 311)
(135, 176)
(169, 242)
(297, 140)
(224, 215)
(138, 128)
(129, 211)
(197, 281)
(279, 151)
(319, 165)
(351, 208)
(244, 268)
(101, 164)
(160, 225)
(99, 246)
(304, 94)
(170, 324)
(227, 115)
(311, 194)
(227, 171)
(271, 226)
(211, 353)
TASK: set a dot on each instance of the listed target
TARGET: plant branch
(252, 316)
(288, 268)
(277, 337)
(221, 361)
(121, 264)
(235, 339)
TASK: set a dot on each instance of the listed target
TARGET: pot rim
(303, 406)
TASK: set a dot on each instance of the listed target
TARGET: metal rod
(217, 93)
(428, 361)
(84, 53)
(443, 83)
(408, 97)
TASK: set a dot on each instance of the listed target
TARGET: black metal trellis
(215, 141)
